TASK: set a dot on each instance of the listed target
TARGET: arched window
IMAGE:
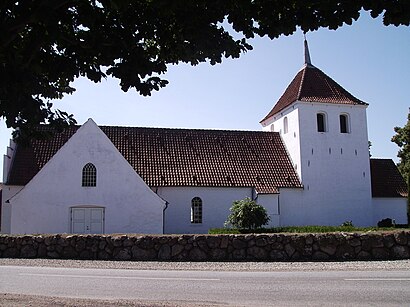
(321, 122)
(344, 123)
(89, 178)
(196, 210)
(285, 125)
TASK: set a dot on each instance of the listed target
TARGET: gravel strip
(215, 266)
(14, 300)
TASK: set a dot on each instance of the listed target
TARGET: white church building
(310, 165)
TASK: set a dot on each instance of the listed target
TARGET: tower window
(344, 123)
(196, 210)
(285, 125)
(89, 178)
(321, 122)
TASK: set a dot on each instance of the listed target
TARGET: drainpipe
(163, 217)
(254, 195)
(280, 224)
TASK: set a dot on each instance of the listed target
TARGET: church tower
(325, 130)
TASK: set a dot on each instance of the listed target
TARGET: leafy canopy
(402, 139)
(247, 214)
(46, 44)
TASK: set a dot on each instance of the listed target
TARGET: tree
(402, 139)
(247, 214)
(46, 44)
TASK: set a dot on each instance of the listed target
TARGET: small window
(321, 122)
(285, 125)
(89, 175)
(344, 123)
(196, 210)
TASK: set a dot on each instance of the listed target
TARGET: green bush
(347, 224)
(247, 214)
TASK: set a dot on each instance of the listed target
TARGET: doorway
(87, 220)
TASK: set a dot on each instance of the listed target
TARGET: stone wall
(251, 247)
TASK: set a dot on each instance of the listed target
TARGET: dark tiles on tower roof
(312, 85)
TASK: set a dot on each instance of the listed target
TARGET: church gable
(87, 175)
(67, 155)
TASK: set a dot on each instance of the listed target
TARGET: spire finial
(307, 55)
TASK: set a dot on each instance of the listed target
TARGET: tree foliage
(247, 214)
(46, 44)
(402, 139)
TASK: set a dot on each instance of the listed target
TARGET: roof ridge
(302, 79)
(186, 129)
(76, 127)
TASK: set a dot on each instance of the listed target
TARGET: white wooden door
(87, 220)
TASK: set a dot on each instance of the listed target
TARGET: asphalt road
(283, 288)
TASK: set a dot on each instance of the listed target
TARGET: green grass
(300, 229)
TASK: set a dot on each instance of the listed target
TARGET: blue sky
(368, 59)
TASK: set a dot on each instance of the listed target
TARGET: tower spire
(307, 55)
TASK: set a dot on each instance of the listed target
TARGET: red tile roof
(182, 157)
(312, 85)
(386, 179)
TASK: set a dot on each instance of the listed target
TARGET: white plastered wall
(215, 207)
(393, 208)
(292, 207)
(7, 159)
(8, 193)
(271, 203)
(334, 167)
(292, 137)
(43, 205)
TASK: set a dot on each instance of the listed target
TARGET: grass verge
(303, 229)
